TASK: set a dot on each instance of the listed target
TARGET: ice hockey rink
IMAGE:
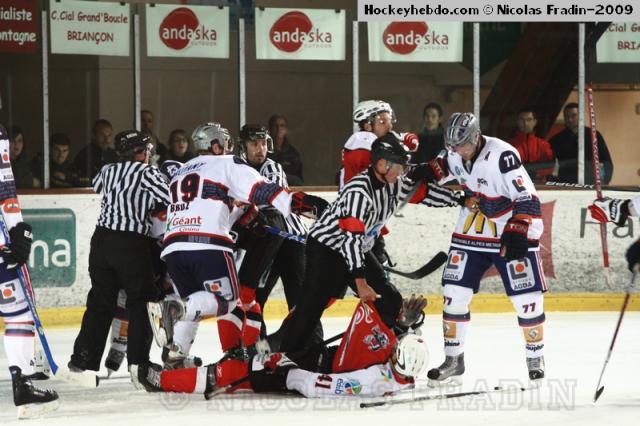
(576, 346)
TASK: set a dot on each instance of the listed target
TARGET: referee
(121, 255)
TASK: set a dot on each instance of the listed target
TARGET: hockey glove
(308, 205)
(254, 221)
(413, 311)
(410, 141)
(19, 247)
(610, 210)
(633, 255)
(513, 242)
(431, 171)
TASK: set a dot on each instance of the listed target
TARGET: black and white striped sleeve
(97, 181)
(155, 183)
(356, 206)
(441, 196)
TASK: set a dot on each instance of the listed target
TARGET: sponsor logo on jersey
(520, 274)
(294, 30)
(186, 221)
(387, 374)
(518, 183)
(348, 386)
(181, 28)
(405, 37)
(377, 340)
(455, 265)
(10, 205)
(483, 181)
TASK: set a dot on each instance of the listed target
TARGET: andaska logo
(181, 27)
(405, 37)
(294, 29)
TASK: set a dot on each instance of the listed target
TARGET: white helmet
(462, 128)
(411, 356)
(208, 134)
(367, 110)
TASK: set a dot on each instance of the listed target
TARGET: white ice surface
(576, 346)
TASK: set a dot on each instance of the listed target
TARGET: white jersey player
(618, 211)
(500, 226)
(198, 246)
(19, 331)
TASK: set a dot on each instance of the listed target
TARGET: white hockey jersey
(203, 192)
(11, 212)
(504, 188)
(377, 380)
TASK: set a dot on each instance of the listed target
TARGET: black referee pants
(117, 260)
(326, 277)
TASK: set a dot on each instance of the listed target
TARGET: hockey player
(370, 361)
(338, 250)
(502, 227)
(618, 211)
(19, 332)
(267, 250)
(198, 246)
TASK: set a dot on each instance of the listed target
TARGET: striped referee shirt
(354, 220)
(130, 190)
(274, 173)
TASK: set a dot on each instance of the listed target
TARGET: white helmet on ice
(462, 128)
(411, 356)
(367, 110)
(208, 134)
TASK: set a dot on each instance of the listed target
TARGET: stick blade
(438, 260)
(598, 393)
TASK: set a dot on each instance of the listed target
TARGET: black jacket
(565, 149)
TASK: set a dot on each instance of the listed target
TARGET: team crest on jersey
(377, 340)
(10, 205)
(348, 386)
(455, 265)
(520, 274)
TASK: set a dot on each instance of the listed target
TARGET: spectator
(179, 147)
(536, 153)
(99, 152)
(61, 171)
(19, 164)
(160, 154)
(432, 135)
(283, 151)
(565, 148)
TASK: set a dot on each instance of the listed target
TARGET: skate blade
(85, 379)
(452, 381)
(154, 310)
(31, 411)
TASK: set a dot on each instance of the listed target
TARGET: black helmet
(390, 148)
(252, 132)
(131, 142)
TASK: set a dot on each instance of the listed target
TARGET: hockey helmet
(253, 132)
(411, 356)
(462, 128)
(367, 110)
(131, 142)
(208, 134)
(390, 148)
(169, 169)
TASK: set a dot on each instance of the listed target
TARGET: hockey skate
(174, 358)
(536, 371)
(163, 316)
(449, 373)
(146, 376)
(30, 400)
(113, 361)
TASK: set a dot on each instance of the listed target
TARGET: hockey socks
(455, 318)
(230, 328)
(253, 316)
(197, 380)
(530, 309)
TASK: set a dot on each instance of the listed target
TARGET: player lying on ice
(370, 361)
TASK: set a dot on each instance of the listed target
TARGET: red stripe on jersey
(421, 192)
(351, 224)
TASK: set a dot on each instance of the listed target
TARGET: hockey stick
(284, 234)
(595, 162)
(79, 378)
(437, 261)
(244, 379)
(437, 397)
(600, 389)
(571, 185)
